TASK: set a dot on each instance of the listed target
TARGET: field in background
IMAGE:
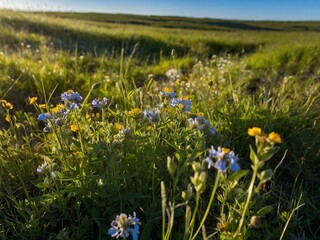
(238, 73)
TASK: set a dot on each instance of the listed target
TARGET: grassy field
(103, 115)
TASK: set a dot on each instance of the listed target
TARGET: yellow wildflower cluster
(6, 104)
(271, 137)
(57, 108)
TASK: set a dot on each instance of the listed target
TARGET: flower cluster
(186, 103)
(224, 158)
(152, 115)
(6, 104)
(167, 92)
(71, 96)
(201, 123)
(125, 225)
(58, 114)
(270, 138)
(100, 104)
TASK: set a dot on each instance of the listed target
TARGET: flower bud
(255, 222)
(171, 166)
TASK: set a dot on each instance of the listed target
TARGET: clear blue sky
(226, 9)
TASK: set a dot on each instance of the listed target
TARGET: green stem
(250, 192)
(194, 213)
(214, 189)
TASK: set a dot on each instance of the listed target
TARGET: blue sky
(226, 9)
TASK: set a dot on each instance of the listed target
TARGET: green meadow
(120, 126)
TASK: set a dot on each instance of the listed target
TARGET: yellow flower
(74, 128)
(200, 114)
(70, 91)
(6, 104)
(255, 131)
(134, 112)
(274, 137)
(43, 105)
(166, 90)
(57, 108)
(118, 126)
(186, 97)
(32, 100)
(225, 150)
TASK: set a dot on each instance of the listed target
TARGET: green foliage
(140, 152)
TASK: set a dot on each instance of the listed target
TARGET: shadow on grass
(68, 38)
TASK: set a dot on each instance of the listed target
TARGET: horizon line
(155, 15)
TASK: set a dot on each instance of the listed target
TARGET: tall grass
(69, 166)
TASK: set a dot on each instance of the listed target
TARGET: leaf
(253, 156)
(265, 210)
(236, 176)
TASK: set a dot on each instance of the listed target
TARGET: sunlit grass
(209, 133)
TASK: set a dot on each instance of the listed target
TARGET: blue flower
(73, 106)
(168, 94)
(220, 165)
(213, 131)
(224, 159)
(199, 122)
(95, 103)
(234, 166)
(98, 104)
(71, 96)
(124, 225)
(186, 103)
(153, 115)
(44, 116)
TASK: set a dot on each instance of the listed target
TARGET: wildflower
(152, 115)
(118, 126)
(274, 137)
(125, 131)
(125, 225)
(41, 168)
(225, 157)
(167, 92)
(44, 116)
(42, 106)
(73, 106)
(98, 104)
(53, 175)
(200, 122)
(213, 131)
(32, 100)
(47, 128)
(173, 74)
(255, 131)
(72, 96)
(74, 128)
(57, 108)
(6, 104)
(134, 112)
(185, 102)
